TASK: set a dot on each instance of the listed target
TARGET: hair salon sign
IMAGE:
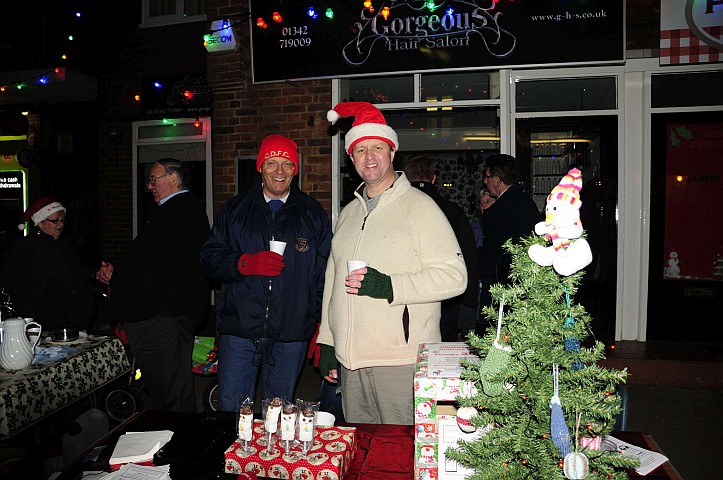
(412, 36)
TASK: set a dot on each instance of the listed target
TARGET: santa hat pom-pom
(21, 226)
(332, 116)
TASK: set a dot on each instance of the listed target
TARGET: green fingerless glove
(376, 285)
(327, 359)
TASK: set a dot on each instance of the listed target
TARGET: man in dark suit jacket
(158, 291)
(459, 313)
(512, 216)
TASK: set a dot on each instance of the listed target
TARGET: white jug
(16, 351)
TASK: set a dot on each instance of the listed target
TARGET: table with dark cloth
(39, 390)
(384, 451)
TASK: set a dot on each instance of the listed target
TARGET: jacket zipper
(268, 298)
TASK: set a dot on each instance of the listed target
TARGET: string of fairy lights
(65, 49)
(315, 12)
(57, 74)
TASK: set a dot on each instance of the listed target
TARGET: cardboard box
(437, 384)
(436, 388)
(328, 458)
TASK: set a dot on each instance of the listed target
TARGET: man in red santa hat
(375, 317)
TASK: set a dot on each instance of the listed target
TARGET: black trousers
(162, 348)
(448, 322)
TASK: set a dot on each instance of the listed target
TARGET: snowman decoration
(423, 410)
(568, 253)
(426, 453)
(672, 270)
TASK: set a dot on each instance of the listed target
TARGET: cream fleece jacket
(408, 238)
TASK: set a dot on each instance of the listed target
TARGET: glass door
(183, 139)
(685, 282)
(547, 148)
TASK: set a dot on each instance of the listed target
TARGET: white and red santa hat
(568, 190)
(369, 123)
(39, 210)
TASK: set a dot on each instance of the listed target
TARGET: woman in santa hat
(44, 276)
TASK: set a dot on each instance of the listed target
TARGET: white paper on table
(649, 460)
(131, 471)
(139, 446)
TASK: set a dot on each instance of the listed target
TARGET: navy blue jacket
(512, 216)
(285, 308)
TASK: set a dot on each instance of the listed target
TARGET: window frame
(163, 20)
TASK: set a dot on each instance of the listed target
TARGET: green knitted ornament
(495, 362)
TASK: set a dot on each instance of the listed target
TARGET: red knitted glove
(265, 263)
(314, 348)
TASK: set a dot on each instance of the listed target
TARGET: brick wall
(244, 113)
(130, 56)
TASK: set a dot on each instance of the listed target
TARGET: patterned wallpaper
(459, 177)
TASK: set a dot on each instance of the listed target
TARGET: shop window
(686, 89)
(447, 87)
(168, 12)
(457, 140)
(380, 90)
(453, 118)
(566, 95)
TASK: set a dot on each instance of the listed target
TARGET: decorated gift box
(327, 459)
(437, 385)
(438, 368)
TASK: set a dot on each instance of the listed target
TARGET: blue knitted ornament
(559, 433)
(572, 345)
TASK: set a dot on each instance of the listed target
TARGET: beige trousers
(378, 395)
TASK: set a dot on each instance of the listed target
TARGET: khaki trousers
(378, 395)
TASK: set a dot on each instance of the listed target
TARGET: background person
(484, 202)
(512, 216)
(374, 319)
(270, 304)
(44, 276)
(459, 314)
(158, 291)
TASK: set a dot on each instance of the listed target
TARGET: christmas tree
(540, 393)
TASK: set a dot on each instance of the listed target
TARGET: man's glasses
(485, 177)
(56, 221)
(272, 165)
(153, 180)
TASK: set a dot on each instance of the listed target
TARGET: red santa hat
(278, 146)
(39, 210)
(369, 123)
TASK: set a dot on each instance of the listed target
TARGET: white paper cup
(352, 265)
(325, 419)
(276, 246)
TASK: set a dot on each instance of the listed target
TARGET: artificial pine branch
(535, 327)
